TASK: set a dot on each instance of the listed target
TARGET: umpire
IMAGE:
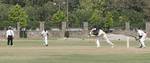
(10, 36)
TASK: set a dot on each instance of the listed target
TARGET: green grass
(72, 51)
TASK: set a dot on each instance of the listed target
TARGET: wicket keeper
(142, 36)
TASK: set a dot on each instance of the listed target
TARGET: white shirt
(141, 33)
(44, 33)
(101, 32)
(9, 33)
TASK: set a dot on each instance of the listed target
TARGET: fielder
(44, 35)
(98, 32)
(142, 36)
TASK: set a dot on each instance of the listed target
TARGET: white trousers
(97, 42)
(142, 43)
(107, 40)
(45, 40)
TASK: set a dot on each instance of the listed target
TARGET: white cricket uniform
(45, 36)
(142, 39)
(101, 32)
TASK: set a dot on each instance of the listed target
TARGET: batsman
(97, 32)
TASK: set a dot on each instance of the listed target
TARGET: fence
(55, 33)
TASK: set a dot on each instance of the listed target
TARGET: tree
(95, 18)
(96, 12)
(18, 15)
(40, 13)
(85, 12)
(4, 11)
(58, 17)
(109, 20)
(32, 22)
(73, 4)
(14, 2)
(129, 11)
(92, 11)
(36, 2)
(4, 16)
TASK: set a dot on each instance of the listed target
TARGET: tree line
(104, 13)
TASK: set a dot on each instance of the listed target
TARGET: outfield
(72, 51)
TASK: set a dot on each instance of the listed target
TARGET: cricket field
(73, 51)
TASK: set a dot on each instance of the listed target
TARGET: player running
(44, 35)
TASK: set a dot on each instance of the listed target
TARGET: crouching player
(97, 32)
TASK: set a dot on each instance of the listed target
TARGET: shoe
(112, 46)
(46, 45)
(141, 46)
(12, 45)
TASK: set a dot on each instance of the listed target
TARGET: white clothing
(44, 33)
(45, 36)
(97, 42)
(141, 33)
(101, 32)
(9, 33)
(142, 39)
(45, 40)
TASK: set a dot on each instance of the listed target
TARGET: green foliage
(137, 19)
(38, 13)
(104, 13)
(36, 2)
(109, 20)
(17, 14)
(95, 18)
(4, 8)
(14, 2)
(74, 21)
(84, 12)
(94, 12)
(58, 17)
